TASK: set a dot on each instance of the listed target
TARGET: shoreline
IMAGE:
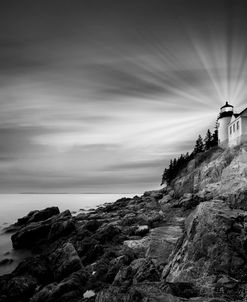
(108, 229)
(18, 256)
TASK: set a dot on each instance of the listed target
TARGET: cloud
(138, 165)
(99, 96)
(131, 78)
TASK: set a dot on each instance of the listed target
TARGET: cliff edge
(216, 173)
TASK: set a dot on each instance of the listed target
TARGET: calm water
(13, 206)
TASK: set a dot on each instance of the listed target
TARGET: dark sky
(97, 96)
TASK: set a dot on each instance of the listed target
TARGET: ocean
(14, 206)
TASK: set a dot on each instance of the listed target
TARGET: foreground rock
(70, 289)
(35, 216)
(64, 261)
(187, 242)
(33, 232)
(113, 245)
(213, 252)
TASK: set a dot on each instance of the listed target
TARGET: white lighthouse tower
(224, 119)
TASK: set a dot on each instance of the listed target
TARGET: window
(231, 130)
(237, 125)
(233, 127)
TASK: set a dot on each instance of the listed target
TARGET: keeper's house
(232, 127)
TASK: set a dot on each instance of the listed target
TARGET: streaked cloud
(98, 96)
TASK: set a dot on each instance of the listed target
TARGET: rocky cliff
(186, 242)
(214, 172)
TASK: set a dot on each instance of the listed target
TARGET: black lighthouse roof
(226, 111)
(226, 105)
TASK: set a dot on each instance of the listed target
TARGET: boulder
(137, 263)
(145, 271)
(238, 199)
(214, 244)
(23, 220)
(103, 271)
(64, 261)
(81, 216)
(35, 216)
(30, 234)
(117, 205)
(142, 218)
(92, 225)
(20, 288)
(139, 246)
(113, 294)
(141, 292)
(43, 214)
(163, 240)
(81, 233)
(153, 292)
(60, 229)
(129, 219)
(89, 249)
(150, 203)
(156, 194)
(37, 267)
(155, 218)
(70, 289)
(166, 199)
(107, 233)
(183, 289)
(139, 270)
(190, 201)
(33, 232)
(124, 277)
(114, 266)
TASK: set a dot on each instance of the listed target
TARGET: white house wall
(239, 135)
(244, 129)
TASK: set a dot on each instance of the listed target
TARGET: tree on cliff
(208, 140)
(199, 146)
(176, 165)
(215, 138)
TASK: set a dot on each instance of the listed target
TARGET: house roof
(242, 111)
(236, 116)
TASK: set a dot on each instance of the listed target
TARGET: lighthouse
(224, 119)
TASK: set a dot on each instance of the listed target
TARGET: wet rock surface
(187, 242)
